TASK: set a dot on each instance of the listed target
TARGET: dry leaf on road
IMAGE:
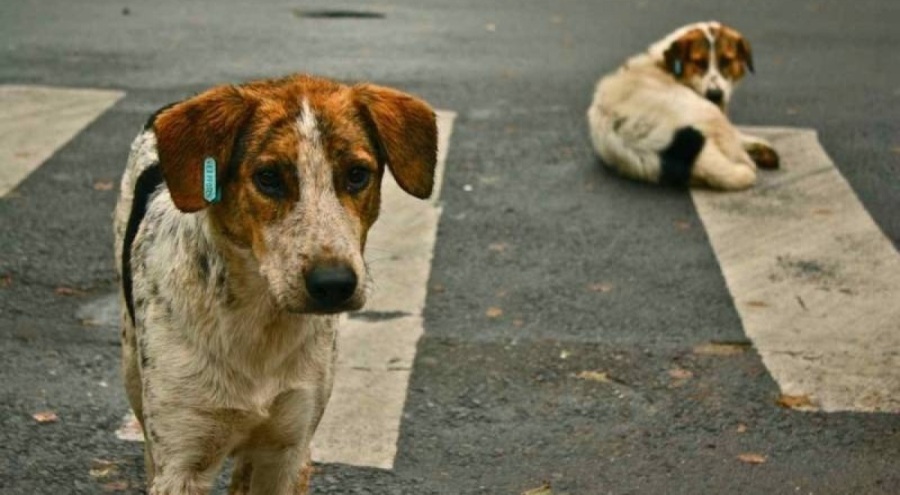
(493, 312)
(594, 376)
(795, 401)
(102, 468)
(541, 490)
(680, 373)
(45, 417)
(69, 291)
(751, 458)
(103, 185)
(721, 349)
(600, 287)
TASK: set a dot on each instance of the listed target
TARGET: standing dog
(662, 116)
(239, 237)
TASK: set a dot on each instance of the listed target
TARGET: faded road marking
(375, 355)
(36, 121)
(815, 281)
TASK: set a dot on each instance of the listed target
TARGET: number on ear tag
(211, 191)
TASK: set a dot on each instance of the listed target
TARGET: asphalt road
(530, 225)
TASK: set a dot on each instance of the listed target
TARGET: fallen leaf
(600, 287)
(6, 281)
(741, 428)
(438, 288)
(491, 27)
(594, 376)
(794, 401)
(115, 486)
(822, 211)
(896, 150)
(501, 294)
(564, 354)
(680, 374)
(544, 489)
(792, 111)
(721, 349)
(751, 458)
(103, 185)
(518, 323)
(498, 247)
(102, 468)
(69, 291)
(757, 304)
(493, 312)
(682, 225)
(130, 431)
(45, 417)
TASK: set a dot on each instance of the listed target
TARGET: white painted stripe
(36, 121)
(362, 420)
(816, 283)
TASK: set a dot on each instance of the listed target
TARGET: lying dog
(239, 231)
(662, 116)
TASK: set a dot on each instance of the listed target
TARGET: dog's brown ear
(406, 132)
(189, 132)
(745, 53)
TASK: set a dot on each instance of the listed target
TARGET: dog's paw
(764, 156)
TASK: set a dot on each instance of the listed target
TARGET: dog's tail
(677, 160)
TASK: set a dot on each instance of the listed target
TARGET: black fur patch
(146, 184)
(677, 160)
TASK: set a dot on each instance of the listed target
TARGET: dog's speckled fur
(224, 351)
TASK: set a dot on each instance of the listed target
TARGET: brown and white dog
(661, 117)
(230, 299)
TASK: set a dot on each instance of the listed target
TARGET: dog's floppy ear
(187, 133)
(745, 53)
(405, 131)
(675, 57)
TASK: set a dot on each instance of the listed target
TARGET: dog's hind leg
(715, 170)
(761, 151)
(240, 476)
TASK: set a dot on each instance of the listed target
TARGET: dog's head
(709, 58)
(299, 163)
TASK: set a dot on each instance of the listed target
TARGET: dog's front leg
(188, 447)
(279, 452)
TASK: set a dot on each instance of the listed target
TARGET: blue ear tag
(676, 67)
(211, 191)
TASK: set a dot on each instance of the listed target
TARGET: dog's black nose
(330, 286)
(715, 95)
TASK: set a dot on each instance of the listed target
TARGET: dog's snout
(715, 95)
(331, 286)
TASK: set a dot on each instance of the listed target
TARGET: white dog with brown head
(661, 117)
(240, 232)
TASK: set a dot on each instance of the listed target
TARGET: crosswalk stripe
(815, 281)
(376, 348)
(36, 121)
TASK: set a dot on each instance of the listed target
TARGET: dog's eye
(268, 181)
(358, 178)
